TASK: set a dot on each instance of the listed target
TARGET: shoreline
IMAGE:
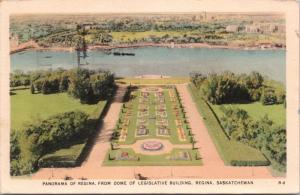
(141, 45)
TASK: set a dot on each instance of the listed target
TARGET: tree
(64, 82)
(255, 80)
(268, 97)
(46, 87)
(38, 84)
(14, 145)
(32, 89)
(280, 96)
(228, 87)
(262, 134)
(79, 86)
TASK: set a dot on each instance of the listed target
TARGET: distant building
(14, 41)
(280, 28)
(70, 26)
(252, 29)
(87, 26)
(232, 28)
(264, 28)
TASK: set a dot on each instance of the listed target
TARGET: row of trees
(262, 134)
(19, 78)
(71, 39)
(96, 37)
(89, 86)
(45, 136)
(228, 87)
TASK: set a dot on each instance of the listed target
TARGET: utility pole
(81, 44)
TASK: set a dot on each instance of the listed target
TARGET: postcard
(149, 96)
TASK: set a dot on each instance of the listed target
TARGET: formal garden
(152, 130)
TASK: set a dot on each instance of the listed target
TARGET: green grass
(130, 36)
(27, 107)
(229, 150)
(66, 157)
(256, 110)
(152, 160)
(162, 81)
(230, 38)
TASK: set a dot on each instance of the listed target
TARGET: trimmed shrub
(249, 163)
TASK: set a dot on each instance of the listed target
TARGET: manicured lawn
(66, 157)
(27, 107)
(152, 160)
(229, 150)
(163, 81)
(256, 110)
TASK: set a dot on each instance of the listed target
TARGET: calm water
(156, 60)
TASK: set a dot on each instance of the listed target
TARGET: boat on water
(48, 57)
(123, 54)
(84, 64)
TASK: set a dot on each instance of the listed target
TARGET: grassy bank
(256, 110)
(26, 107)
(66, 157)
(230, 151)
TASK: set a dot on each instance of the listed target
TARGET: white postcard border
(289, 8)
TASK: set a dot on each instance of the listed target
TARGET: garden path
(204, 143)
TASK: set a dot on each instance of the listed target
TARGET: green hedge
(230, 151)
(249, 163)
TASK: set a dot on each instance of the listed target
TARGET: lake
(163, 61)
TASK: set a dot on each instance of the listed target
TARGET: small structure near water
(154, 76)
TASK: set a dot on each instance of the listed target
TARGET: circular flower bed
(152, 145)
